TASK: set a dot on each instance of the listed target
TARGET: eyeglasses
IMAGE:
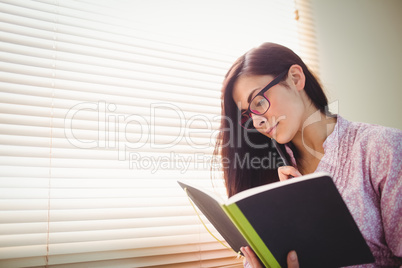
(260, 104)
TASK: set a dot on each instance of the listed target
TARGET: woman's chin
(281, 139)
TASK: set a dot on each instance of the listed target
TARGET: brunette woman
(273, 95)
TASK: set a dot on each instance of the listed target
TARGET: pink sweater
(366, 164)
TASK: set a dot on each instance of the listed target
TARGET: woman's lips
(271, 130)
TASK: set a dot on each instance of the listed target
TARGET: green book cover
(254, 240)
(306, 214)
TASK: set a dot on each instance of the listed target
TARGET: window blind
(98, 119)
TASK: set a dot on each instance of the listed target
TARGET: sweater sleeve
(246, 264)
(385, 154)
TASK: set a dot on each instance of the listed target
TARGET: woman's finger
(251, 257)
(292, 260)
(287, 172)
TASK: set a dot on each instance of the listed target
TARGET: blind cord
(206, 228)
(51, 131)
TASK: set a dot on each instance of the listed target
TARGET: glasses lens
(259, 105)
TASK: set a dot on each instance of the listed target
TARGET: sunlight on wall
(228, 26)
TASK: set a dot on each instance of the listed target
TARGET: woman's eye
(259, 103)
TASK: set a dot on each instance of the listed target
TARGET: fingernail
(293, 256)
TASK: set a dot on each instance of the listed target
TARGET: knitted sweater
(365, 162)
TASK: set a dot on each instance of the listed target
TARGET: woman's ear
(297, 76)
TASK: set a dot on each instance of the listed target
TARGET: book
(306, 214)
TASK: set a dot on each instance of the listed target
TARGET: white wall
(360, 50)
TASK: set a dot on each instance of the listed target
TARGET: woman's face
(284, 118)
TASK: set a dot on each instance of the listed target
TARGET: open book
(306, 214)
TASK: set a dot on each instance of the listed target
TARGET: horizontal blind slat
(104, 70)
(58, 77)
(58, 57)
(46, 20)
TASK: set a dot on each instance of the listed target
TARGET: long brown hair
(239, 148)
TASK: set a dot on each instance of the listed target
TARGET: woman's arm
(385, 166)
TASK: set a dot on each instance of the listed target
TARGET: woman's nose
(258, 120)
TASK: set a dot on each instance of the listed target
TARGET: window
(100, 114)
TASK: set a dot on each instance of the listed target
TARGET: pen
(280, 152)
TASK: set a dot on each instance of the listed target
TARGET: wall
(360, 51)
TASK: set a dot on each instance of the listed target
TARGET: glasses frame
(262, 92)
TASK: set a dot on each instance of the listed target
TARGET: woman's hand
(287, 172)
(251, 258)
(255, 263)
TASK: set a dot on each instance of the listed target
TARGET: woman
(273, 95)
